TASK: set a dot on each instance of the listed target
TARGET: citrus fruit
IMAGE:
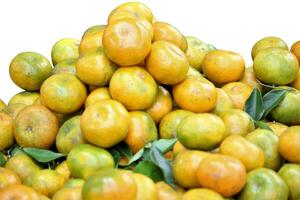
(295, 49)
(8, 177)
(105, 123)
(264, 184)
(238, 92)
(178, 147)
(276, 66)
(193, 72)
(267, 42)
(224, 102)
(196, 94)
(13, 109)
(110, 184)
(66, 66)
(2, 105)
(162, 105)
(296, 83)
(6, 133)
(63, 169)
(63, 93)
(248, 153)
(19, 192)
(249, 78)
(141, 130)
(169, 123)
(166, 192)
(223, 174)
(290, 173)
(74, 182)
(222, 66)
(28, 70)
(203, 131)
(94, 68)
(167, 63)
(91, 40)
(277, 127)
(25, 97)
(289, 144)
(134, 87)
(64, 49)
(68, 194)
(201, 193)
(84, 159)
(96, 95)
(185, 167)
(146, 189)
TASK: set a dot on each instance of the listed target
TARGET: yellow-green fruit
(63, 169)
(84, 159)
(193, 72)
(146, 189)
(201, 193)
(28, 70)
(13, 109)
(2, 105)
(68, 194)
(66, 66)
(91, 40)
(8, 177)
(290, 173)
(224, 102)
(65, 49)
(97, 95)
(6, 131)
(74, 182)
(277, 127)
(25, 97)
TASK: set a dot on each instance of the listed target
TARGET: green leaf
(262, 125)
(123, 149)
(42, 155)
(164, 145)
(272, 99)
(149, 169)
(254, 105)
(116, 156)
(159, 160)
(2, 159)
(136, 157)
(16, 150)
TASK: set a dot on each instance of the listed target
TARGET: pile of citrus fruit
(135, 110)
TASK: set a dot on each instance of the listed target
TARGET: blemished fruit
(290, 173)
(67, 66)
(65, 49)
(25, 97)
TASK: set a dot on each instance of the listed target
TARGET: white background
(35, 25)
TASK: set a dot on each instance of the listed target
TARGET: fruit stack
(135, 110)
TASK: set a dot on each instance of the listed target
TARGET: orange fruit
(25, 97)
(6, 133)
(167, 32)
(167, 63)
(94, 68)
(185, 167)
(91, 40)
(134, 87)
(8, 177)
(19, 192)
(96, 95)
(178, 147)
(238, 92)
(201, 193)
(63, 169)
(203, 131)
(249, 78)
(28, 70)
(267, 42)
(277, 127)
(66, 66)
(110, 184)
(296, 83)
(295, 49)
(169, 123)
(162, 105)
(63, 93)
(65, 49)
(166, 192)
(141, 130)
(223, 174)
(68, 194)
(2, 105)
(289, 144)
(248, 153)
(221, 66)
(13, 109)
(126, 42)
(146, 189)
(224, 102)
(105, 123)
(196, 94)
(193, 72)
(276, 66)
(290, 173)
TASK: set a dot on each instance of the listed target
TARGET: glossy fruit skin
(110, 184)
(95, 68)
(248, 153)
(105, 123)
(63, 93)
(64, 49)
(134, 87)
(166, 192)
(196, 52)
(25, 97)
(224, 102)
(19, 192)
(276, 66)
(203, 131)
(63, 169)
(238, 92)
(146, 189)
(141, 130)
(264, 184)
(185, 167)
(277, 127)
(288, 110)
(290, 173)
(35, 126)
(221, 66)
(167, 63)
(166, 32)
(68, 193)
(91, 40)
(268, 141)
(267, 42)
(69, 135)
(96, 95)
(196, 94)
(84, 159)
(223, 174)
(66, 66)
(8, 177)
(193, 72)
(289, 144)
(201, 193)
(231, 117)
(169, 123)
(178, 147)
(28, 70)
(162, 105)
(6, 133)
(126, 42)
(249, 78)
